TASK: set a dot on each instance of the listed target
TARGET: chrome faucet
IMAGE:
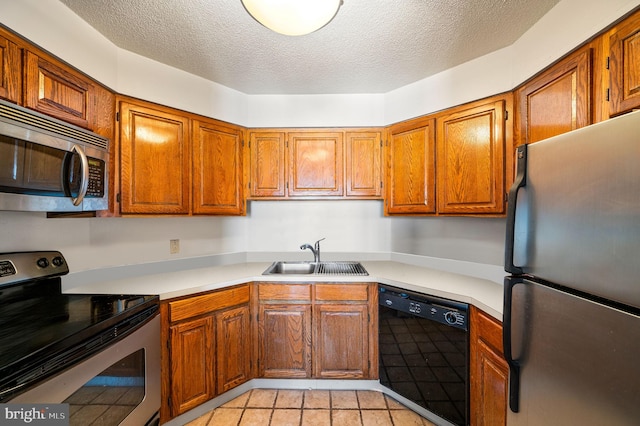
(315, 250)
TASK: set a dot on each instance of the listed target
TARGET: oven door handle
(84, 175)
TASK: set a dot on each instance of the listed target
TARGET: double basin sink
(315, 268)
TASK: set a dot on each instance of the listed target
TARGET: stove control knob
(57, 261)
(42, 262)
(451, 317)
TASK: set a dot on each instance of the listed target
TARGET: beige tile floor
(274, 407)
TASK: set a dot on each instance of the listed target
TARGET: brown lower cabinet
(488, 371)
(208, 349)
(322, 330)
(218, 340)
(284, 340)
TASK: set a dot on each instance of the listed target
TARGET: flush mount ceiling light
(293, 17)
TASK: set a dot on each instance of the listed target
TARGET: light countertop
(482, 293)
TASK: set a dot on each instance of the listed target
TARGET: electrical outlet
(174, 246)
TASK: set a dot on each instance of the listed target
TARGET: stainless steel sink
(290, 268)
(312, 268)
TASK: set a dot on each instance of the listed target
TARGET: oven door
(119, 385)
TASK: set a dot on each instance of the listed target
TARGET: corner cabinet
(471, 143)
(155, 160)
(488, 371)
(208, 348)
(624, 62)
(217, 169)
(411, 178)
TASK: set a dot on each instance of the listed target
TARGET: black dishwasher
(424, 351)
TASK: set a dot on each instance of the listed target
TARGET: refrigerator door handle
(514, 365)
(520, 181)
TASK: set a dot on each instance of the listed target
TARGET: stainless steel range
(98, 353)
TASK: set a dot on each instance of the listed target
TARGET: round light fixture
(293, 17)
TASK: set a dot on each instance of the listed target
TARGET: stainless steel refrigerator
(572, 301)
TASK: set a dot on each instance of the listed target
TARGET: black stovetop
(43, 330)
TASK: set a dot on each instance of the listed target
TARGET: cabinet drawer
(341, 292)
(206, 303)
(300, 292)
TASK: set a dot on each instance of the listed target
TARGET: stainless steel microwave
(49, 165)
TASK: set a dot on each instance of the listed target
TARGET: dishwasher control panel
(444, 311)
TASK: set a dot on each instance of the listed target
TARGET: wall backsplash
(472, 239)
(271, 226)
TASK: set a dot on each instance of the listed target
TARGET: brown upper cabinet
(155, 160)
(411, 168)
(311, 163)
(217, 169)
(316, 163)
(363, 164)
(175, 163)
(624, 65)
(470, 159)
(557, 100)
(10, 75)
(268, 167)
(57, 91)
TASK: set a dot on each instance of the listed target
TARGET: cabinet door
(315, 163)
(341, 341)
(57, 91)
(284, 341)
(363, 164)
(488, 371)
(411, 173)
(192, 364)
(233, 348)
(267, 164)
(558, 100)
(155, 160)
(625, 65)
(10, 70)
(471, 145)
(217, 169)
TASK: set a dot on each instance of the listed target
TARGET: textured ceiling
(372, 46)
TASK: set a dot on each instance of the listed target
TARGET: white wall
(348, 226)
(101, 242)
(354, 226)
(471, 239)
